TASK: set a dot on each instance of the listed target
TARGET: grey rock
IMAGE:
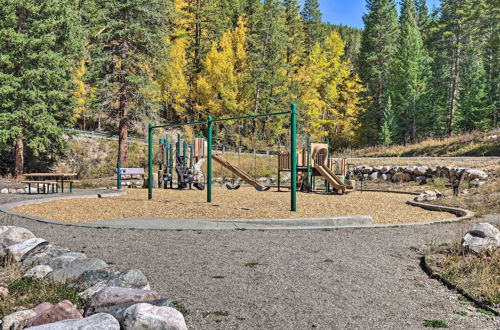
(4, 191)
(386, 176)
(39, 271)
(18, 251)
(366, 170)
(115, 296)
(101, 321)
(20, 191)
(90, 278)
(476, 174)
(118, 311)
(132, 278)
(146, 316)
(483, 236)
(92, 291)
(17, 320)
(43, 257)
(421, 178)
(31, 190)
(13, 235)
(385, 169)
(65, 259)
(420, 170)
(374, 176)
(75, 269)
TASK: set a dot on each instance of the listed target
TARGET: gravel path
(348, 278)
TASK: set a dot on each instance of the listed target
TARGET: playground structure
(187, 160)
(316, 161)
(185, 175)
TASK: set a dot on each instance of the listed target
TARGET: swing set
(183, 160)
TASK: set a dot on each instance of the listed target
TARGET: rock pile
(481, 237)
(418, 173)
(428, 195)
(115, 300)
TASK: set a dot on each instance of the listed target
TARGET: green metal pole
(150, 165)
(118, 176)
(184, 153)
(209, 160)
(309, 181)
(293, 154)
(178, 153)
(171, 163)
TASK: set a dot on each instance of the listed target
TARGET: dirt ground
(245, 203)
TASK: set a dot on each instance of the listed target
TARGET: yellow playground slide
(239, 172)
(331, 178)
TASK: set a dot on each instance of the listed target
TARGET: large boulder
(115, 296)
(43, 257)
(17, 320)
(10, 235)
(475, 174)
(92, 277)
(19, 250)
(386, 176)
(65, 259)
(146, 316)
(366, 170)
(64, 310)
(39, 271)
(101, 321)
(420, 170)
(75, 269)
(118, 311)
(374, 176)
(481, 237)
(132, 278)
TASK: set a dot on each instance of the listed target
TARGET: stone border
(432, 274)
(147, 223)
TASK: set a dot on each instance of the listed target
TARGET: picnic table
(50, 179)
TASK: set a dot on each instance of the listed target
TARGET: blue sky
(350, 12)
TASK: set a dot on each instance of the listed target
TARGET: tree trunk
(123, 128)
(19, 164)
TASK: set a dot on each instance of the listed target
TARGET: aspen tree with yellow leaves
(330, 94)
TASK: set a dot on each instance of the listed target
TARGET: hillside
(475, 144)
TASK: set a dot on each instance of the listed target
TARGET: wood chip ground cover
(245, 203)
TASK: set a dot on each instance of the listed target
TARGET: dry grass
(245, 203)
(470, 144)
(477, 274)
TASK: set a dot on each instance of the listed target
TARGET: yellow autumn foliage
(330, 94)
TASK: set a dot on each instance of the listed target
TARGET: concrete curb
(432, 274)
(146, 223)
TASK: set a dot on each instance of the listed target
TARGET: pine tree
(388, 128)
(39, 44)
(126, 51)
(378, 49)
(313, 28)
(268, 59)
(411, 69)
(423, 18)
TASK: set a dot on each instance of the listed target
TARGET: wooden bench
(132, 171)
(45, 185)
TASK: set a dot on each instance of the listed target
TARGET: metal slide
(331, 178)
(239, 172)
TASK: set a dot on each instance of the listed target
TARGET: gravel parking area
(348, 278)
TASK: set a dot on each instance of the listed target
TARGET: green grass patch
(485, 312)
(462, 313)
(252, 264)
(435, 324)
(180, 307)
(28, 292)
